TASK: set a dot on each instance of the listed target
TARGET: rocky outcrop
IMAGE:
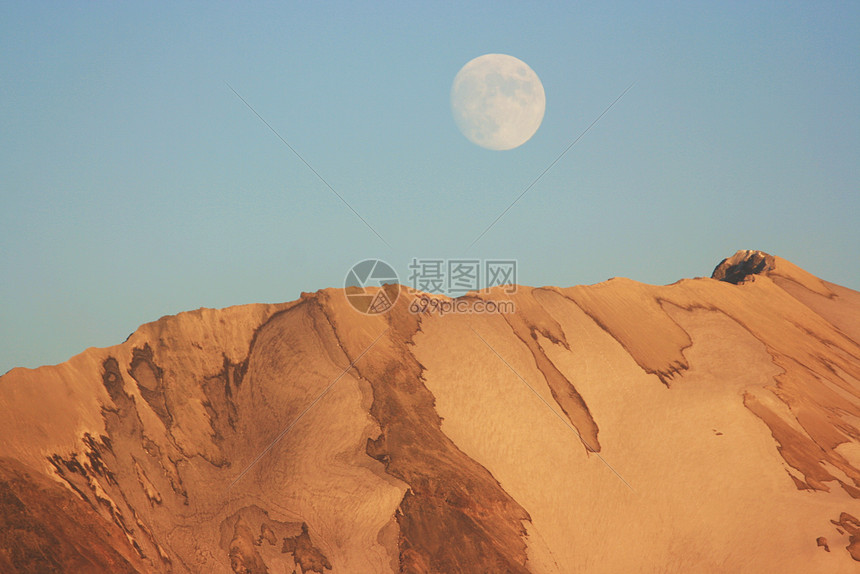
(741, 265)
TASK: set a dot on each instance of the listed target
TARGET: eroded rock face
(851, 526)
(306, 437)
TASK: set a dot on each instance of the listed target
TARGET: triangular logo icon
(381, 303)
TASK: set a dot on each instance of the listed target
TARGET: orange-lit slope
(710, 426)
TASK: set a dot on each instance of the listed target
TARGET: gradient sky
(134, 183)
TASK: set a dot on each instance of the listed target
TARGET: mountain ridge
(203, 440)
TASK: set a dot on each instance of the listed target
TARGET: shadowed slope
(45, 528)
(455, 517)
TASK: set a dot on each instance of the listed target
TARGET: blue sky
(134, 183)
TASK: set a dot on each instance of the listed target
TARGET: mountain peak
(737, 268)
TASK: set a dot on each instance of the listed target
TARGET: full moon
(498, 102)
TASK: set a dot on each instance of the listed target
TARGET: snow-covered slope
(711, 425)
